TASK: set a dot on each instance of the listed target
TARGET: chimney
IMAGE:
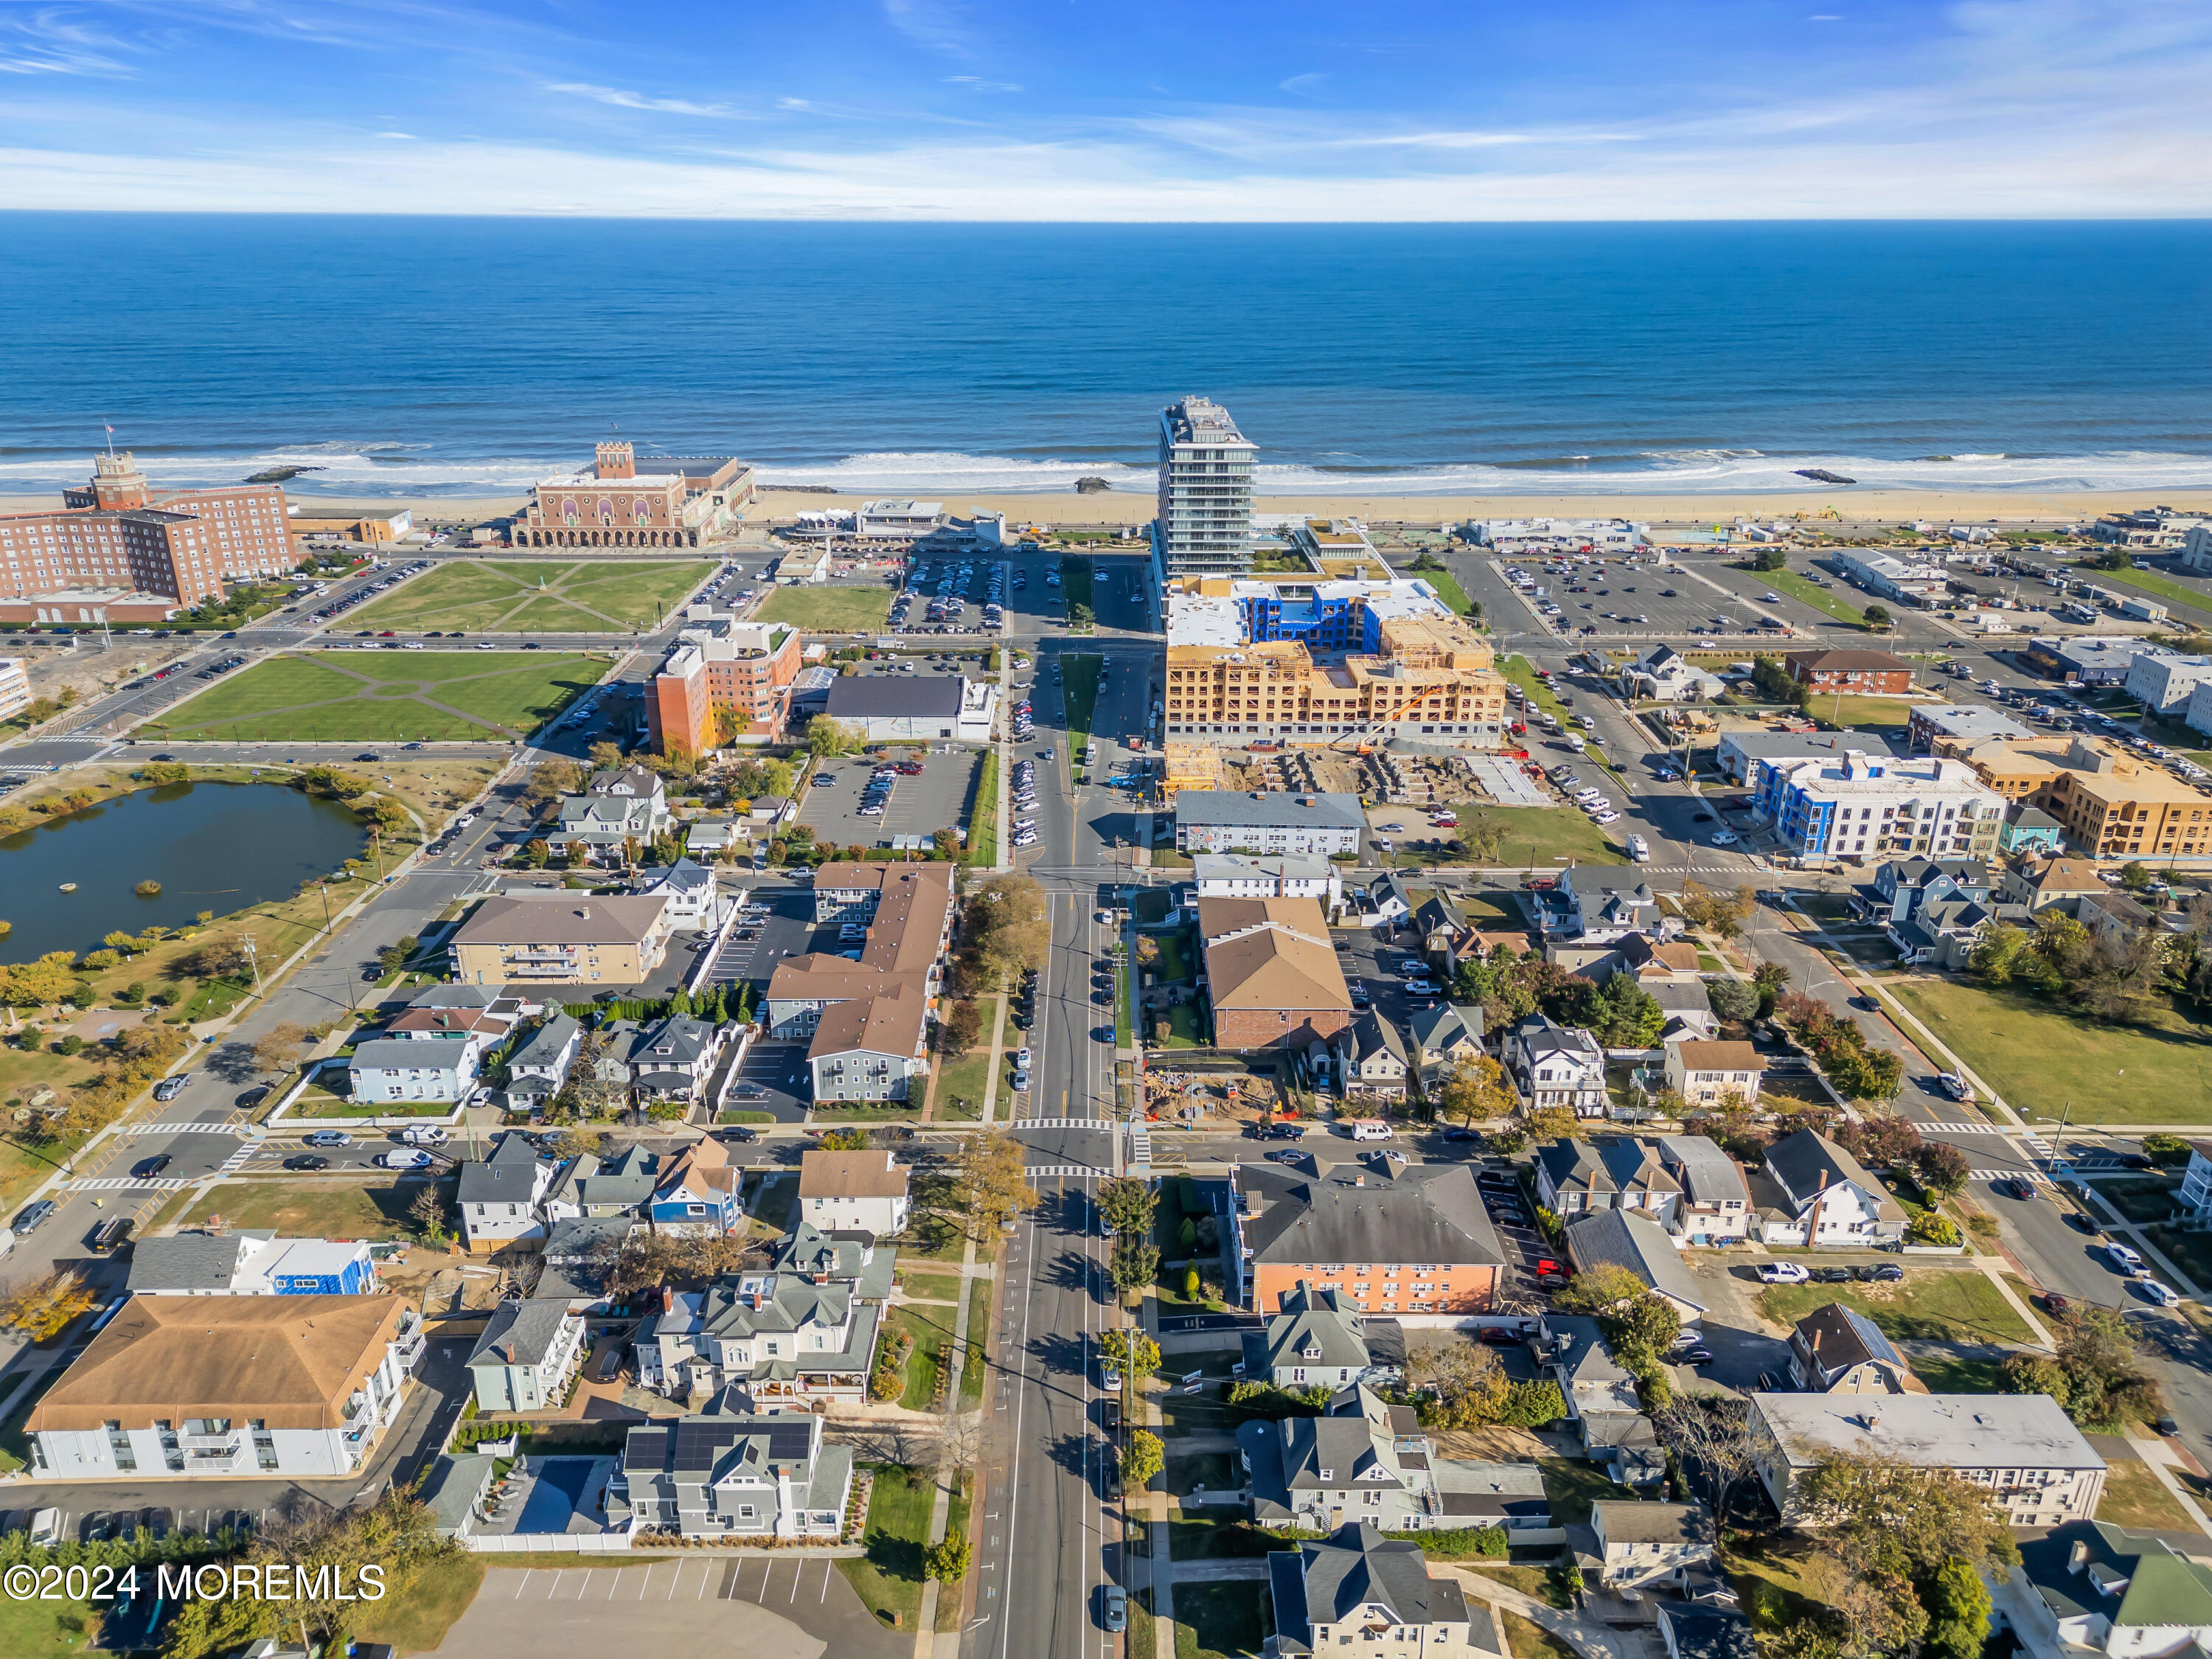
(584, 912)
(1823, 1187)
(2077, 1555)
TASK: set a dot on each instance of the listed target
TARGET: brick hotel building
(629, 500)
(119, 551)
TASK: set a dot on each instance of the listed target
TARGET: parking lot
(948, 595)
(921, 804)
(772, 1080)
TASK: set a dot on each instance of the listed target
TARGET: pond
(216, 846)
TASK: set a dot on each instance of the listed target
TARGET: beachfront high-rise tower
(1205, 522)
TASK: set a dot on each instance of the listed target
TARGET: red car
(910, 769)
(1501, 1336)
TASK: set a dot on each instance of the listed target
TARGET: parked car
(170, 1087)
(328, 1137)
(410, 1158)
(1782, 1273)
(307, 1161)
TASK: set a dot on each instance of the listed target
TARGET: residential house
(2040, 884)
(616, 817)
(539, 1064)
(2116, 921)
(772, 1337)
(728, 1474)
(1576, 1177)
(1621, 1238)
(481, 1026)
(864, 1192)
(564, 938)
(1384, 901)
(1442, 1037)
(2096, 1588)
(498, 1195)
(577, 1265)
(1317, 1340)
(529, 1353)
(1438, 925)
(1366, 1460)
(673, 1058)
(1407, 1240)
(694, 900)
(199, 1263)
(1862, 673)
(1687, 1007)
(1609, 914)
(2196, 1195)
(1600, 1394)
(1646, 1546)
(1360, 1586)
(401, 1069)
(291, 1386)
(845, 1257)
(1282, 875)
(1903, 886)
(1371, 1055)
(1699, 1630)
(1272, 973)
(1716, 1205)
(1705, 1072)
(2029, 832)
(1661, 674)
(2020, 1447)
(714, 837)
(621, 1186)
(871, 1049)
(1654, 962)
(1556, 1065)
(1827, 1196)
(1838, 1350)
(696, 1193)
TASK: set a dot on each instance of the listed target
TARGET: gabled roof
(1606, 1165)
(1643, 1523)
(184, 1261)
(1640, 1245)
(520, 1333)
(1372, 1034)
(1313, 1329)
(2144, 1581)
(1719, 1055)
(1359, 1567)
(851, 1175)
(508, 1176)
(1708, 1174)
(1840, 1337)
(1799, 1161)
(1270, 954)
(547, 1044)
(1446, 1026)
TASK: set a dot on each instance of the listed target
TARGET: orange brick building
(1272, 973)
(1408, 1239)
(721, 672)
(627, 500)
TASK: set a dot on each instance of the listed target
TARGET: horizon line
(929, 219)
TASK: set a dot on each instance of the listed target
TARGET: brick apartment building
(721, 670)
(1865, 673)
(627, 499)
(1404, 1240)
(1272, 973)
(118, 550)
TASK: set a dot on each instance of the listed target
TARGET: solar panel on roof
(787, 1440)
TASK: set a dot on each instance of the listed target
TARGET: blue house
(2028, 829)
(697, 1193)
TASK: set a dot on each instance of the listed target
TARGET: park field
(385, 697)
(1820, 598)
(827, 610)
(2042, 1059)
(538, 596)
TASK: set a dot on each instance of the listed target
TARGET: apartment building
(402, 1069)
(629, 500)
(1864, 673)
(1407, 1241)
(1204, 523)
(1379, 661)
(1951, 729)
(256, 1386)
(2020, 1447)
(727, 1474)
(1286, 875)
(721, 680)
(865, 1023)
(2164, 684)
(564, 938)
(2108, 803)
(1359, 1586)
(1746, 757)
(854, 1192)
(1273, 974)
(14, 687)
(1864, 806)
(120, 550)
(1268, 823)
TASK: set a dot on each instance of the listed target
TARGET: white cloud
(49, 41)
(622, 99)
(1299, 85)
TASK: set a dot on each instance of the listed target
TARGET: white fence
(521, 1543)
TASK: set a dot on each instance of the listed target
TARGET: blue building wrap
(354, 1281)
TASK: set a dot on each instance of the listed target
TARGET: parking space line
(527, 1571)
(555, 1589)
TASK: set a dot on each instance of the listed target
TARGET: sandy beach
(1117, 508)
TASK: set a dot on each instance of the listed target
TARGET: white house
(729, 1474)
(2196, 1183)
(1641, 1545)
(694, 900)
(403, 1068)
(1286, 875)
(539, 1065)
(499, 1196)
(1661, 674)
(1827, 1196)
(250, 1264)
(1716, 1203)
(2096, 1588)
(852, 1192)
(242, 1386)
(1556, 1065)
(1704, 1072)
(1316, 1339)
(529, 1352)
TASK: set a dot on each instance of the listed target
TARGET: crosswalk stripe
(1061, 1169)
(1057, 1123)
(2034, 1175)
(117, 1183)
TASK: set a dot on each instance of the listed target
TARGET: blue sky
(1058, 109)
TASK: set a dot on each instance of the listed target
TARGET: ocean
(428, 356)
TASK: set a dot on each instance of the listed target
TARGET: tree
(1771, 977)
(1735, 999)
(1005, 929)
(1135, 1355)
(1710, 910)
(1629, 1017)
(2106, 1381)
(1553, 1123)
(1880, 1143)
(850, 1139)
(429, 1214)
(394, 956)
(52, 978)
(2166, 1151)
(825, 737)
(1878, 619)
(1712, 1435)
(278, 1048)
(960, 1029)
(606, 755)
(1943, 1168)
(125, 942)
(988, 1188)
(1134, 1263)
(1932, 1227)
(1958, 1604)
(43, 1309)
(1600, 1290)
(1128, 1206)
(1142, 1458)
(1465, 1379)
(1475, 1091)
(951, 1559)
(219, 958)
(1770, 557)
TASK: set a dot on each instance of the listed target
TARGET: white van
(1577, 744)
(1368, 1128)
(424, 1134)
(1639, 850)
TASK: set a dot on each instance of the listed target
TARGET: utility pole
(253, 956)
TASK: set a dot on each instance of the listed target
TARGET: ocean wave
(399, 471)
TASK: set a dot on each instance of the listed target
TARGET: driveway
(774, 1606)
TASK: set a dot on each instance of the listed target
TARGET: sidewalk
(927, 1642)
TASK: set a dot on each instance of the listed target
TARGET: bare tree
(1712, 1434)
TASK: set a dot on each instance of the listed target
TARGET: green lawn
(2149, 581)
(1447, 589)
(1542, 838)
(1079, 686)
(930, 1328)
(1959, 1373)
(33, 1629)
(385, 697)
(528, 595)
(2135, 1497)
(1820, 598)
(949, 1597)
(1943, 1305)
(960, 1082)
(975, 1366)
(1573, 1486)
(773, 1200)
(1184, 1029)
(889, 1577)
(1862, 713)
(929, 1286)
(2041, 1058)
(983, 815)
(828, 610)
(311, 1208)
(1216, 1621)
(416, 1619)
(1530, 1640)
